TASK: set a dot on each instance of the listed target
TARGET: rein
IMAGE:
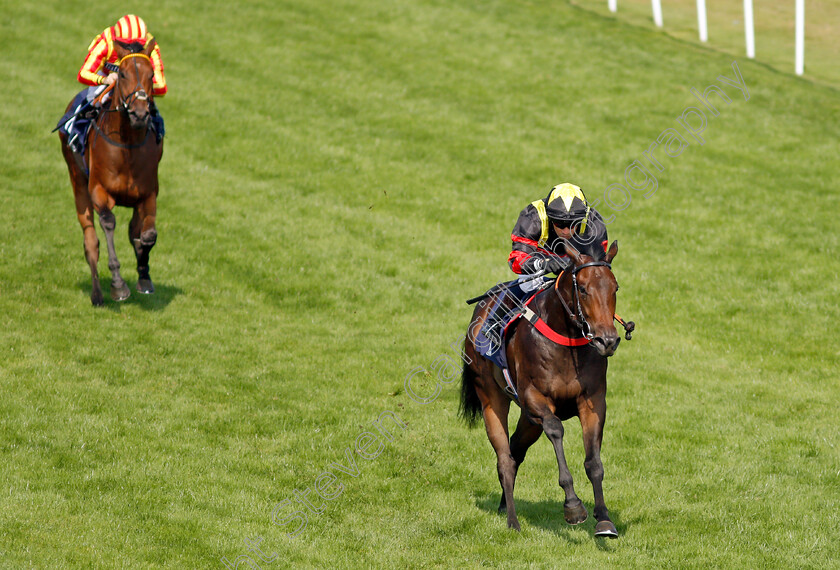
(578, 319)
(110, 141)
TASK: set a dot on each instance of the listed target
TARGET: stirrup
(75, 146)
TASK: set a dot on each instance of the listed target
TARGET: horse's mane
(133, 47)
(593, 250)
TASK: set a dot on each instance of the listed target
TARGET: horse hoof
(145, 286)
(605, 529)
(514, 525)
(575, 514)
(96, 299)
(120, 293)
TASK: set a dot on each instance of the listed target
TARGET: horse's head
(135, 82)
(591, 289)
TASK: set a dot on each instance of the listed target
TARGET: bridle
(139, 94)
(578, 319)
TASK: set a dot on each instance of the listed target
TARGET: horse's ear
(572, 252)
(121, 48)
(150, 47)
(611, 253)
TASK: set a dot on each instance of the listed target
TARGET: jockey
(99, 69)
(543, 225)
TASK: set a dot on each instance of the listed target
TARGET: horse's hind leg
(119, 290)
(592, 416)
(85, 212)
(495, 410)
(526, 434)
(143, 236)
(91, 252)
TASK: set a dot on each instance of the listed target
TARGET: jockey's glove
(553, 265)
(540, 265)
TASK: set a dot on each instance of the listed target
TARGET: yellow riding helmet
(130, 29)
(566, 202)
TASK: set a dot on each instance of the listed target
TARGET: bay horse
(123, 155)
(554, 382)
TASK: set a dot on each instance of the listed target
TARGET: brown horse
(123, 155)
(554, 382)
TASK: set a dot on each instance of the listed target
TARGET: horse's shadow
(548, 515)
(157, 301)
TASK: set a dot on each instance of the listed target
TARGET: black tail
(470, 407)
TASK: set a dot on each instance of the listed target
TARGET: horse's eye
(122, 75)
(583, 291)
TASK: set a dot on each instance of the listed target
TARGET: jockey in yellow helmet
(128, 29)
(543, 225)
(99, 69)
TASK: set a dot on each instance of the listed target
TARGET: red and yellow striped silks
(128, 29)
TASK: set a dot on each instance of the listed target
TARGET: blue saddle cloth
(76, 128)
(508, 300)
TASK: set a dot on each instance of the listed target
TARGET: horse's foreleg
(573, 510)
(495, 411)
(143, 236)
(119, 290)
(592, 414)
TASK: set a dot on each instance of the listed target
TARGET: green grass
(773, 22)
(338, 177)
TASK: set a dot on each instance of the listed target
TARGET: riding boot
(157, 122)
(77, 132)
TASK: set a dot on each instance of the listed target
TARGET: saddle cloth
(509, 300)
(76, 121)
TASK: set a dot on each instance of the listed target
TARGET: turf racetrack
(338, 178)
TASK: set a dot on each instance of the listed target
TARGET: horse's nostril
(607, 345)
(139, 117)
